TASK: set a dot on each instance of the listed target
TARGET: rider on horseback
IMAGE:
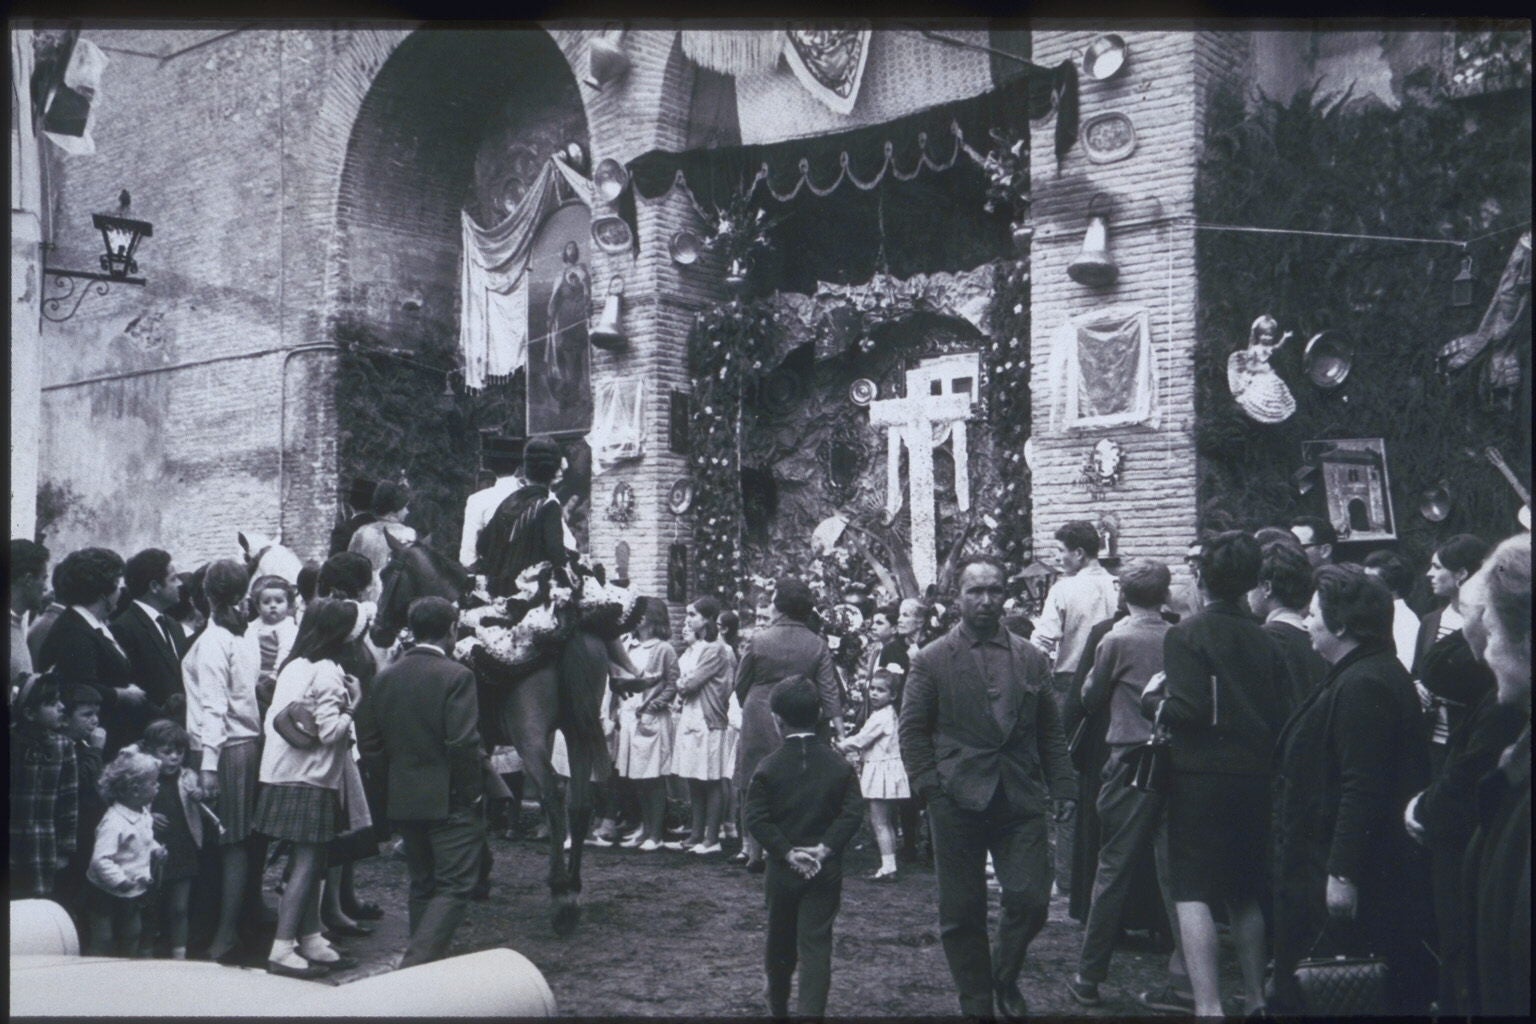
(528, 528)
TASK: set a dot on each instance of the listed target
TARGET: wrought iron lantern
(120, 238)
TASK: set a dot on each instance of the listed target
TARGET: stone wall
(1151, 239)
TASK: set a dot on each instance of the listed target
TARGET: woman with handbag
(302, 768)
(220, 673)
(1347, 877)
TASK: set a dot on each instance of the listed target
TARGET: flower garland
(729, 350)
(1006, 362)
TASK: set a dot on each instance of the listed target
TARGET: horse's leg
(584, 670)
(528, 717)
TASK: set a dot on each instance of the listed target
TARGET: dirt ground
(669, 934)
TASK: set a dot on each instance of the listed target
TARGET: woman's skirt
(239, 769)
(698, 752)
(884, 779)
(645, 742)
(296, 812)
(759, 735)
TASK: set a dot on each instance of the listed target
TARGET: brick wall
(1163, 90)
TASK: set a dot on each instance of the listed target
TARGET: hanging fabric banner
(830, 63)
(493, 326)
(1101, 372)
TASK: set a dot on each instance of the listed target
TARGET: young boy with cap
(803, 806)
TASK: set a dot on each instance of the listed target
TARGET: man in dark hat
(502, 456)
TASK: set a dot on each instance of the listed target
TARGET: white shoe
(598, 841)
(679, 845)
(704, 851)
(630, 842)
(567, 842)
(649, 846)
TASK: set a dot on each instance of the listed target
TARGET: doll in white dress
(1258, 389)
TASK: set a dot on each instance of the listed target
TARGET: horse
(268, 557)
(564, 692)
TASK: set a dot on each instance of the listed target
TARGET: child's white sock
(179, 953)
(283, 952)
(887, 862)
(315, 948)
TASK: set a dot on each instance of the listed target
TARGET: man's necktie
(166, 625)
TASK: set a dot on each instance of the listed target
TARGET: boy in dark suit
(417, 727)
(803, 806)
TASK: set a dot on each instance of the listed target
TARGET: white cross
(910, 421)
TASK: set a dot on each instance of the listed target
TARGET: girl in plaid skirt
(300, 800)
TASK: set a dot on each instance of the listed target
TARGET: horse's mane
(442, 564)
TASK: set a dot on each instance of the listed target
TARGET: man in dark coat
(417, 728)
(803, 806)
(153, 642)
(81, 650)
(981, 739)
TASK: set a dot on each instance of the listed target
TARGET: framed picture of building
(559, 303)
(1356, 487)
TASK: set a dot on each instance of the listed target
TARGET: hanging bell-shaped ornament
(1461, 284)
(1093, 267)
(607, 333)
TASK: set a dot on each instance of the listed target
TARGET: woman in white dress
(707, 669)
(645, 722)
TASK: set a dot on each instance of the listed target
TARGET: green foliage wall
(396, 423)
(1430, 170)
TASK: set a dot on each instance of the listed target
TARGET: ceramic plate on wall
(680, 498)
(1108, 137)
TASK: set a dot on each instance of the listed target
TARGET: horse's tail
(583, 669)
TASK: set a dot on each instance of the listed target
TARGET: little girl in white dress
(882, 779)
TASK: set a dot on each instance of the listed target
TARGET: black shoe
(305, 973)
(1010, 1001)
(341, 963)
(362, 912)
(1085, 992)
(756, 867)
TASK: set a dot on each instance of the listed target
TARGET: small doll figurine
(1258, 389)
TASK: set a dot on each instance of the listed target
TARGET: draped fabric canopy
(927, 141)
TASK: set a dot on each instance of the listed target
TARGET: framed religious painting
(559, 303)
(1357, 492)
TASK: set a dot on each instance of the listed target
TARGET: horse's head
(268, 557)
(414, 570)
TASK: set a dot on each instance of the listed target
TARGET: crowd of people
(1344, 776)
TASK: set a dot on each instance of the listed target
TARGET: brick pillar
(649, 109)
(1163, 90)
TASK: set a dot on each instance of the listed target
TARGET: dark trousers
(443, 859)
(800, 916)
(1021, 857)
(1132, 822)
(1063, 832)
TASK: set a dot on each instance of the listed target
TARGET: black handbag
(1342, 986)
(1152, 762)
